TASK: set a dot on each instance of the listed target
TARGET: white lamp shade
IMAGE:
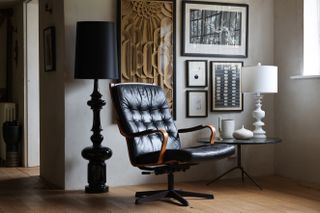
(260, 79)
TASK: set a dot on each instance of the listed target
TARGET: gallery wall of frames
(209, 29)
(218, 30)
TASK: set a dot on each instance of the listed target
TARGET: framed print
(197, 103)
(214, 29)
(49, 43)
(146, 35)
(197, 74)
(226, 86)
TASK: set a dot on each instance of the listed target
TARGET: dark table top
(252, 141)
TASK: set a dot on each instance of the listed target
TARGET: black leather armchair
(144, 119)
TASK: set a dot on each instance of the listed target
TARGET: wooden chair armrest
(164, 134)
(199, 127)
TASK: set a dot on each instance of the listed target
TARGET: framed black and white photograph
(226, 93)
(197, 74)
(197, 103)
(214, 29)
(49, 42)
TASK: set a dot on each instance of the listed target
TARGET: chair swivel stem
(239, 155)
(170, 181)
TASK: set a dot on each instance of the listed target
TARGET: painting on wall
(49, 48)
(226, 86)
(197, 73)
(214, 29)
(146, 37)
(197, 103)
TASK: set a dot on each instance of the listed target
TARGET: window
(311, 38)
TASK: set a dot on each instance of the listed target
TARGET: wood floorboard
(21, 190)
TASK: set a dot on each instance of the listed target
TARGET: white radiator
(7, 113)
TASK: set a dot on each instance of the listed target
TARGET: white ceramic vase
(242, 134)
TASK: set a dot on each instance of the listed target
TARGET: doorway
(31, 84)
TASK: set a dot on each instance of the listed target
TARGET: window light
(311, 39)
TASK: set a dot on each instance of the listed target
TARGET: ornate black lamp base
(96, 179)
(96, 154)
(101, 189)
(96, 168)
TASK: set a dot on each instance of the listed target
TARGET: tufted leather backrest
(143, 107)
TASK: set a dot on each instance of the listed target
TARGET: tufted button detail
(146, 108)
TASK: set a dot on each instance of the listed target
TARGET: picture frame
(226, 91)
(214, 29)
(49, 43)
(146, 44)
(197, 103)
(197, 73)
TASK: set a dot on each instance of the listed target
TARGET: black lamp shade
(96, 54)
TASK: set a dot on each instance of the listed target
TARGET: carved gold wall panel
(147, 49)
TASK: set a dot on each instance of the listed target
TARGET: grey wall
(16, 77)
(16, 90)
(257, 159)
(297, 114)
(78, 116)
(3, 54)
(17, 86)
(52, 126)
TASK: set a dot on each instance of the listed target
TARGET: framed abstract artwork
(197, 74)
(226, 93)
(214, 29)
(146, 35)
(197, 103)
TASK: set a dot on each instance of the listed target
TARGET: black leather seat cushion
(190, 154)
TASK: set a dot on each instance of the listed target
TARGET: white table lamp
(259, 79)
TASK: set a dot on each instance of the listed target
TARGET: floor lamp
(259, 79)
(96, 58)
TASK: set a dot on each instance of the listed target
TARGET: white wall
(297, 114)
(78, 116)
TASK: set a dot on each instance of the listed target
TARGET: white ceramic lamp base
(259, 114)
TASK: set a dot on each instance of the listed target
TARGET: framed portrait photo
(197, 103)
(49, 43)
(226, 86)
(197, 74)
(214, 29)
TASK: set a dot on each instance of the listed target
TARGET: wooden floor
(21, 190)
